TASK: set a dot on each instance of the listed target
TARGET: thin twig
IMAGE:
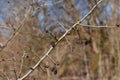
(62, 26)
(97, 26)
(52, 35)
(42, 69)
(86, 66)
(68, 42)
(51, 59)
(34, 53)
(21, 66)
(71, 78)
(55, 3)
(4, 73)
(51, 48)
(15, 72)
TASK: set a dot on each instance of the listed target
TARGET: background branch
(16, 31)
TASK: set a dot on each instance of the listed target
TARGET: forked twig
(51, 59)
(52, 47)
(62, 26)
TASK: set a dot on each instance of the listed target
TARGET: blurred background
(86, 53)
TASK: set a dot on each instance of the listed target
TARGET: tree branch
(51, 48)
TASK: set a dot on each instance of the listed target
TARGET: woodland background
(90, 52)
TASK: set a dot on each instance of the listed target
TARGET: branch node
(52, 44)
(32, 68)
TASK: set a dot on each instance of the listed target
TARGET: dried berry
(54, 70)
(68, 33)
